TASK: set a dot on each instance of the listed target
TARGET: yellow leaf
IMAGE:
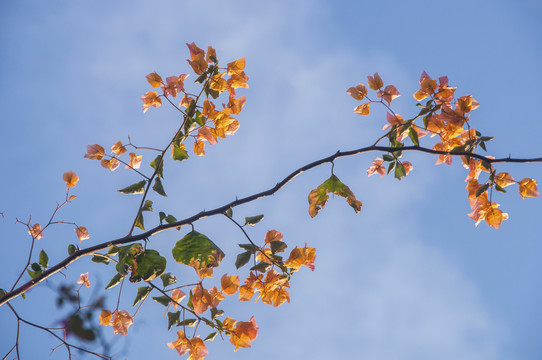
(244, 333)
(494, 216)
(105, 317)
(504, 179)
(230, 284)
(199, 148)
(94, 152)
(118, 149)
(154, 79)
(195, 51)
(151, 98)
(70, 178)
(363, 109)
(527, 188)
(236, 67)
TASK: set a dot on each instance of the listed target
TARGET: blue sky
(410, 277)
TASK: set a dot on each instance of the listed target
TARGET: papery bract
(363, 109)
(70, 178)
(375, 82)
(94, 152)
(121, 321)
(82, 233)
(35, 231)
(377, 168)
(358, 92)
(230, 284)
(527, 188)
(83, 279)
(135, 161)
(118, 149)
(244, 333)
(389, 93)
(151, 98)
(154, 79)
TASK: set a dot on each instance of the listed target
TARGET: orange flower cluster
(447, 117)
(195, 347)
(97, 152)
(204, 64)
(242, 333)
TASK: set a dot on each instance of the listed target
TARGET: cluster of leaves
(268, 278)
(270, 272)
(447, 117)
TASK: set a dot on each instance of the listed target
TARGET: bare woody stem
(222, 209)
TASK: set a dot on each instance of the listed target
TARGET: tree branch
(222, 209)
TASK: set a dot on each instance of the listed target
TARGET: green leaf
(33, 274)
(191, 108)
(387, 157)
(137, 188)
(486, 165)
(3, 292)
(173, 318)
(319, 196)
(201, 78)
(36, 267)
(188, 322)
(164, 300)
(216, 313)
(158, 165)
(114, 281)
(71, 249)
(399, 171)
(248, 247)
(391, 166)
(229, 212)
(142, 293)
(158, 187)
(150, 264)
(425, 121)
(168, 279)
(253, 220)
(277, 246)
(483, 145)
(481, 189)
(100, 259)
(189, 303)
(179, 154)
(196, 247)
(113, 250)
(261, 267)
(127, 256)
(242, 259)
(499, 188)
(147, 206)
(413, 135)
(211, 336)
(44, 259)
(199, 119)
(139, 221)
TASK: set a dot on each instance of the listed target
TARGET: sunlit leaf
(319, 196)
(197, 250)
(137, 188)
